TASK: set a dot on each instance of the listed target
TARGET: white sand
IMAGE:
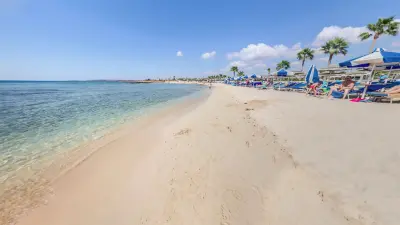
(280, 159)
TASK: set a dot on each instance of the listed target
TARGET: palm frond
(364, 36)
(300, 55)
(393, 29)
(371, 27)
(388, 20)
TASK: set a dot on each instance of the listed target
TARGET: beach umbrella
(312, 75)
(282, 73)
(379, 57)
(253, 76)
(245, 77)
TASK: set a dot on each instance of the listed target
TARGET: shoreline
(241, 156)
(32, 192)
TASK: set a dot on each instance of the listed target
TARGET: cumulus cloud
(260, 65)
(179, 54)
(238, 64)
(208, 55)
(348, 33)
(262, 51)
(242, 65)
(317, 51)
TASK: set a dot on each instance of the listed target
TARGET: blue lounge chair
(355, 93)
(299, 87)
(290, 85)
(279, 85)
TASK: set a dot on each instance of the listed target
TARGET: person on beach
(346, 86)
(393, 90)
(314, 88)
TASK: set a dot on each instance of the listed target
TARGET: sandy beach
(240, 156)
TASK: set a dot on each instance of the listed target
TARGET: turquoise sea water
(40, 119)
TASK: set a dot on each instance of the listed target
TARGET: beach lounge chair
(356, 93)
(263, 86)
(288, 87)
(352, 93)
(279, 85)
(256, 83)
(299, 87)
(379, 96)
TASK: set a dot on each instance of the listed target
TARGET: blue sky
(87, 39)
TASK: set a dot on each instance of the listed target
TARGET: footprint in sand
(185, 131)
(229, 128)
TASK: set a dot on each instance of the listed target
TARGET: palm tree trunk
(302, 65)
(373, 44)
(330, 59)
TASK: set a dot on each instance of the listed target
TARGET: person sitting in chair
(343, 89)
(393, 90)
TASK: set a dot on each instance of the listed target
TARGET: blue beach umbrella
(245, 77)
(282, 73)
(378, 57)
(253, 76)
(312, 75)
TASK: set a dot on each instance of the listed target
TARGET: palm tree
(221, 76)
(241, 73)
(305, 54)
(234, 69)
(269, 71)
(384, 26)
(283, 65)
(334, 47)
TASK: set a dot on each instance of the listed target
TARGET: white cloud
(260, 65)
(179, 54)
(295, 63)
(348, 33)
(396, 43)
(239, 64)
(317, 51)
(262, 51)
(325, 59)
(208, 55)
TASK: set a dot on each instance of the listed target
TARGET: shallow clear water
(40, 119)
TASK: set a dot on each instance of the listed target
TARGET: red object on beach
(357, 99)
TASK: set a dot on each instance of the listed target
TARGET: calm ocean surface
(40, 119)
